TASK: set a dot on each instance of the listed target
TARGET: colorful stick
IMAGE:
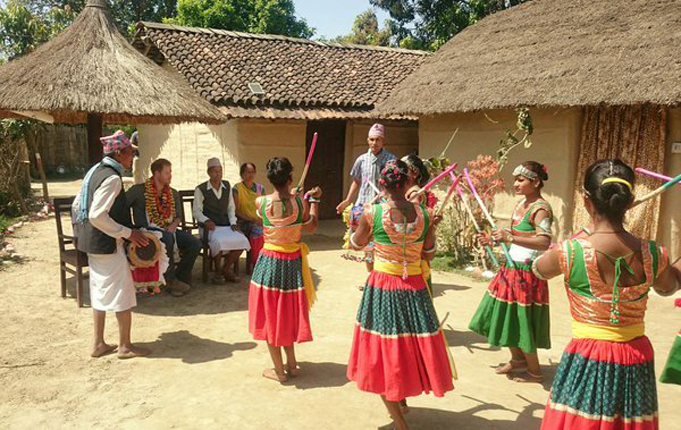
(309, 160)
(657, 191)
(477, 226)
(436, 179)
(455, 183)
(509, 261)
(654, 175)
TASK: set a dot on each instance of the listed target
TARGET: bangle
(430, 250)
(313, 200)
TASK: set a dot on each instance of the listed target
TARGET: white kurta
(111, 285)
(223, 238)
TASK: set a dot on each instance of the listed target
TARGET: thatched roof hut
(90, 74)
(553, 53)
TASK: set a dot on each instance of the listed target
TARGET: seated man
(214, 208)
(156, 206)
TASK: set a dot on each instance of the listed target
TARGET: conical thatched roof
(91, 68)
(553, 53)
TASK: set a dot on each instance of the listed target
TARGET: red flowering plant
(456, 232)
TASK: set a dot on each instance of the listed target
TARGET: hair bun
(394, 174)
(279, 170)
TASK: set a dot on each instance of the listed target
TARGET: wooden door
(326, 169)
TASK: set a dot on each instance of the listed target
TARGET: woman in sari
(245, 193)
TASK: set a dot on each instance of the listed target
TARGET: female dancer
(398, 349)
(281, 290)
(515, 309)
(418, 177)
(606, 377)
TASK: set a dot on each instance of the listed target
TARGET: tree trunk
(94, 132)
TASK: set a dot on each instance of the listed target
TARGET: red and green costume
(515, 309)
(398, 348)
(606, 377)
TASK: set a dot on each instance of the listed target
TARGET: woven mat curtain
(637, 136)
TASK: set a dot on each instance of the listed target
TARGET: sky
(333, 18)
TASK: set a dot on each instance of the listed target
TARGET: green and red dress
(515, 309)
(398, 348)
(278, 308)
(606, 377)
(672, 370)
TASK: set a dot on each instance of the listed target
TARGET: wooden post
(94, 132)
(43, 179)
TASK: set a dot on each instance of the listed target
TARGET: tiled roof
(293, 73)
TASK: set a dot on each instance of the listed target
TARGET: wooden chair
(68, 253)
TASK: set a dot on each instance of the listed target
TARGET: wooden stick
(655, 175)
(437, 178)
(509, 261)
(657, 192)
(477, 226)
(308, 161)
(451, 190)
(41, 171)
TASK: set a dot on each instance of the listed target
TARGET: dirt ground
(205, 368)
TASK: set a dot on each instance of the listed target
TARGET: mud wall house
(276, 91)
(601, 78)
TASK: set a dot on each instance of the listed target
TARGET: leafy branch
(523, 124)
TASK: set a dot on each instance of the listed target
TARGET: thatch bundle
(553, 53)
(91, 69)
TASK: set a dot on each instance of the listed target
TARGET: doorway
(326, 169)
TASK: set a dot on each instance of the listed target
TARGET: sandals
(528, 377)
(291, 372)
(510, 367)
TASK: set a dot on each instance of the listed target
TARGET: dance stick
(455, 183)
(654, 175)
(477, 226)
(437, 178)
(309, 160)
(509, 261)
(657, 191)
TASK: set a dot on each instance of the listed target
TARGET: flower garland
(161, 215)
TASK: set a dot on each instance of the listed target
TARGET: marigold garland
(161, 215)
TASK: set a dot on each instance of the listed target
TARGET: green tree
(428, 24)
(21, 30)
(253, 16)
(366, 31)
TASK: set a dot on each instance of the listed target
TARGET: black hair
(394, 174)
(611, 199)
(539, 169)
(279, 170)
(244, 166)
(159, 164)
(415, 163)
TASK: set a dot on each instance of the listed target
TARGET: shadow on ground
(192, 349)
(319, 375)
(435, 419)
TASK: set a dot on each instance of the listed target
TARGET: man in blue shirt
(365, 174)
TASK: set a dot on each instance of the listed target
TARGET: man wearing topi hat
(214, 209)
(365, 174)
(101, 224)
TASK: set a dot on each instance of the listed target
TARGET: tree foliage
(253, 16)
(428, 24)
(366, 31)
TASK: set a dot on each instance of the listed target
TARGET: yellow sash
(246, 199)
(290, 248)
(417, 268)
(612, 334)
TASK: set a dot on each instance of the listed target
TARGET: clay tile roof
(292, 72)
(553, 53)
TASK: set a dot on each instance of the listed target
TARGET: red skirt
(277, 305)
(398, 348)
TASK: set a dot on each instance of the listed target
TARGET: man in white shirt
(214, 209)
(101, 224)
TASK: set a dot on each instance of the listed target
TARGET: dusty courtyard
(205, 368)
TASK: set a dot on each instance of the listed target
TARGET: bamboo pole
(43, 179)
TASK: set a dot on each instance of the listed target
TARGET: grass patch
(6, 221)
(446, 262)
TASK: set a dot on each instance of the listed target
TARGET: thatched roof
(91, 68)
(553, 53)
(300, 78)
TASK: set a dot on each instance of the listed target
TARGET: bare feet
(292, 371)
(217, 279)
(528, 377)
(102, 350)
(511, 366)
(132, 352)
(230, 277)
(273, 375)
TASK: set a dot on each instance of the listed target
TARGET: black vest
(214, 209)
(91, 240)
